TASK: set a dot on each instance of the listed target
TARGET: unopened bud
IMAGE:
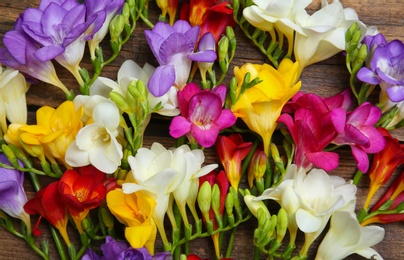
(116, 27)
(254, 206)
(281, 225)
(119, 101)
(257, 167)
(205, 199)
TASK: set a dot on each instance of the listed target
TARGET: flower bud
(281, 225)
(205, 199)
(257, 167)
(119, 101)
(254, 206)
(116, 27)
(10, 156)
(216, 200)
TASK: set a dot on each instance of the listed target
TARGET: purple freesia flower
(59, 27)
(103, 11)
(386, 69)
(173, 47)
(202, 115)
(12, 193)
(19, 55)
(359, 132)
(119, 250)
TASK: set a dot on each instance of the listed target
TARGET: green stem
(357, 177)
(58, 243)
(231, 243)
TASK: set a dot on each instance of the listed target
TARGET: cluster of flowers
(93, 142)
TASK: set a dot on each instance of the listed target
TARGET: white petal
(107, 114)
(76, 157)
(307, 222)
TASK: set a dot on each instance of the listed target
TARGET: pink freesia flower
(312, 130)
(202, 115)
(359, 132)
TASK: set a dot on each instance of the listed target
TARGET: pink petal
(338, 118)
(327, 161)
(205, 135)
(361, 158)
(179, 126)
(226, 119)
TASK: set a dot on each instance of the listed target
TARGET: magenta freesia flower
(312, 129)
(120, 250)
(359, 132)
(12, 192)
(173, 47)
(386, 69)
(202, 115)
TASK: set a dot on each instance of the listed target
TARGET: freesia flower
(55, 130)
(13, 104)
(309, 200)
(394, 193)
(158, 172)
(59, 27)
(211, 15)
(359, 131)
(12, 192)
(322, 34)
(173, 47)
(96, 143)
(19, 55)
(232, 150)
(386, 68)
(346, 237)
(119, 250)
(104, 11)
(312, 129)
(49, 204)
(261, 105)
(384, 164)
(202, 115)
(82, 190)
(135, 212)
(276, 14)
(194, 158)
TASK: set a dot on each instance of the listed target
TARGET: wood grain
(325, 78)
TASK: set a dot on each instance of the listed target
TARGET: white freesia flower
(128, 72)
(13, 104)
(269, 14)
(194, 160)
(346, 236)
(88, 103)
(310, 199)
(159, 172)
(96, 143)
(322, 34)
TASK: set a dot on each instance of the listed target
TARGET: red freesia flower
(81, 190)
(232, 150)
(395, 192)
(211, 15)
(384, 164)
(49, 204)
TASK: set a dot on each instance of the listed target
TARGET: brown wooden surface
(325, 78)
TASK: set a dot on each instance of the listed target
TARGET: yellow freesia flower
(135, 212)
(261, 105)
(54, 131)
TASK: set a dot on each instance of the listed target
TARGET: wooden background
(326, 78)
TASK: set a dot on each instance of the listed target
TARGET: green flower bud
(363, 53)
(351, 30)
(205, 199)
(281, 225)
(216, 200)
(119, 101)
(116, 27)
(257, 167)
(233, 91)
(10, 156)
(106, 216)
